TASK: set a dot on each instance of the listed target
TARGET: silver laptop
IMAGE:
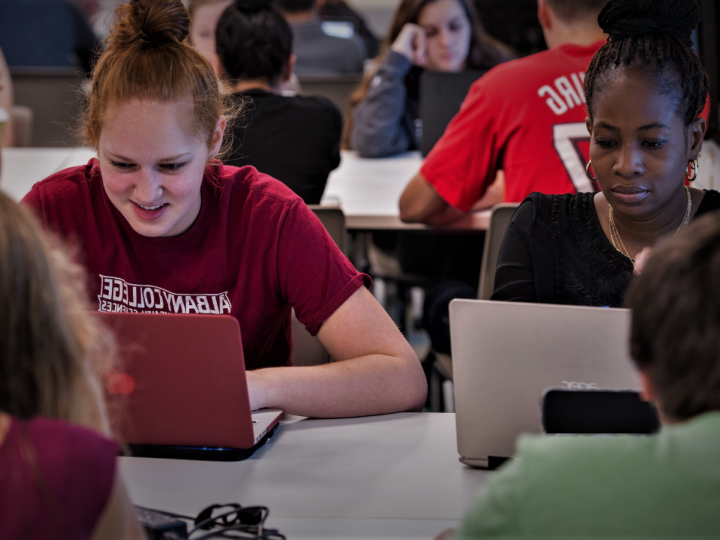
(506, 354)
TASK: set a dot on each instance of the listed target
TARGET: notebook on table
(507, 354)
(180, 389)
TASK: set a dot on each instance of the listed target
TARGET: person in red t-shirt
(164, 228)
(525, 117)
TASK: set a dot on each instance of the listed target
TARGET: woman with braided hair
(645, 90)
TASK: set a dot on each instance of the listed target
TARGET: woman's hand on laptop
(375, 370)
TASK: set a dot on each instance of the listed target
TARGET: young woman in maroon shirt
(163, 227)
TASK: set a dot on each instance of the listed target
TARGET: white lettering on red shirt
(116, 295)
(566, 94)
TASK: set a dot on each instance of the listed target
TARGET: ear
(289, 68)
(544, 15)
(217, 136)
(589, 125)
(647, 390)
(697, 134)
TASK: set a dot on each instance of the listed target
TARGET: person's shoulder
(519, 74)
(317, 107)
(546, 209)
(508, 72)
(247, 185)
(75, 441)
(544, 200)
(575, 458)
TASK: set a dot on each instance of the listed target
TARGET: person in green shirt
(664, 485)
(629, 486)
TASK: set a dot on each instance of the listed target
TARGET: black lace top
(556, 252)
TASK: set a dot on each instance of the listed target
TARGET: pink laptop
(180, 389)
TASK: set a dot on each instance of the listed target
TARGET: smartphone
(597, 412)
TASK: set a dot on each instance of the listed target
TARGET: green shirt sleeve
(497, 510)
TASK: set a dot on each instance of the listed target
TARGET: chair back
(337, 88)
(499, 221)
(55, 98)
(333, 219)
(22, 120)
(307, 349)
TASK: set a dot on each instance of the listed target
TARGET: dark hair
(253, 41)
(653, 37)
(574, 10)
(676, 317)
(295, 6)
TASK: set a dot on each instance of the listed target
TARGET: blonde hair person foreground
(164, 227)
(58, 474)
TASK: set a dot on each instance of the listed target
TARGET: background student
(508, 121)
(157, 214)
(59, 471)
(204, 16)
(629, 486)
(295, 139)
(438, 35)
(319, 53)
(645, 90)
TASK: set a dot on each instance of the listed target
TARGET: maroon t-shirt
(55, 480)
(254, 252)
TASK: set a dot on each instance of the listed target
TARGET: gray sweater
(387, 121)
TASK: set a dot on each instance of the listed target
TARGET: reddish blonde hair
(149, 58)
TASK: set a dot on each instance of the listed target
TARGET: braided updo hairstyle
(254, 41)
(653, 37)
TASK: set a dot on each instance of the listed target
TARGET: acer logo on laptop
(581, 385)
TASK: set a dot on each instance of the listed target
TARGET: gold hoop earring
(587, 172)
(693, 165)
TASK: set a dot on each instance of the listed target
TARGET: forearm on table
(420, 203)
(368, 385)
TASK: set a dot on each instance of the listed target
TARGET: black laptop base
(196, 453)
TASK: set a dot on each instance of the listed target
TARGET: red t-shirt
(255, 251)
(56, 480)
(526, 117)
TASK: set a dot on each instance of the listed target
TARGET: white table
(393, 476)
(368, 190)
(23, 167)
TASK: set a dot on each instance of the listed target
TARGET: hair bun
(626, 18)
(154, 22)
(253, 6)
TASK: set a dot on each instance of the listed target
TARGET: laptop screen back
(506, 354)
(180, 381)
(441, 95)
